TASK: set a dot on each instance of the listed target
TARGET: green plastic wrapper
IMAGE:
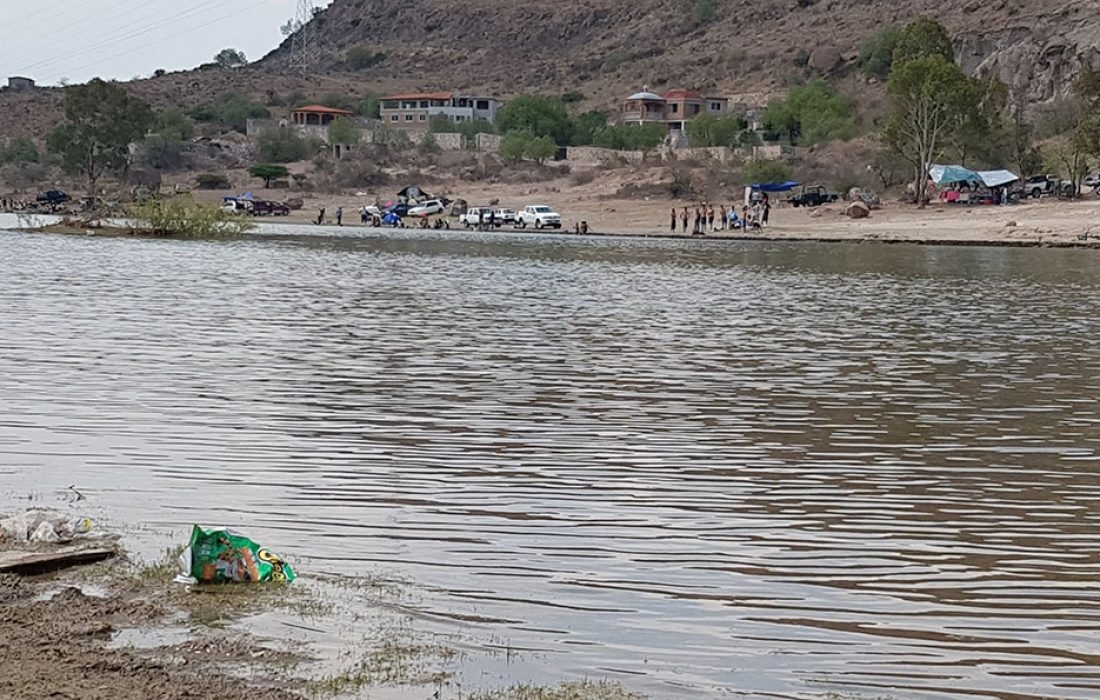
(223, 556)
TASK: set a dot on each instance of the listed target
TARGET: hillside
(606, 48)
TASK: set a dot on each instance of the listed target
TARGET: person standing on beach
(765, 208)
(339, 216)
(684, 219)
(321, 216)
(698, 220)
(672, 226)
(710, 218)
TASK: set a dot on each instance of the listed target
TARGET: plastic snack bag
(223, 556)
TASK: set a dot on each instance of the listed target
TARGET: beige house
(674, 109)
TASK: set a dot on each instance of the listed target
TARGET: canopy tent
(951, 174)
(997, 178)
(775, 186)
(414, 193)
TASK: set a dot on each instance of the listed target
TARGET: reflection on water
(698, 468)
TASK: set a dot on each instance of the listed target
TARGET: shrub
(212, 181)
(363, 57)
(162, 152)
(585, 127)
(708, 131)
(21, 150)
(231, 110)
(877, 55)
(428, 144)
(284, 145)
(703, 11)
(630, 137)
(183, 217)
(765, 170)
(514, 145)
(812, 113)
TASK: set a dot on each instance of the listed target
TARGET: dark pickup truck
(813, 196)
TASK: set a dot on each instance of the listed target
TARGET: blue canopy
(947, 174)
(775, 186)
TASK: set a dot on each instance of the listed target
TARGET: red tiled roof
(421, 96)
(321, 109)
(682, 94)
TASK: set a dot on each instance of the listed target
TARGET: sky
(77, 40)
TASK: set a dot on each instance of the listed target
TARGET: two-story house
(415, 110)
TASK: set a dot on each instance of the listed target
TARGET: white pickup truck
(539, 216)
(479, 216)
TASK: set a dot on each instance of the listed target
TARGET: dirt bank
(60, 637)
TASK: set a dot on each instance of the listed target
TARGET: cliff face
(605, 47)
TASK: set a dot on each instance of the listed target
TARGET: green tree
(877, 55)
(343, 132)
(363, 57)
(231, 110)
(101, 121)
(230, 58)
(284, 145)
(764, 170)
(540, 149)
(631, 137)
(20, 150)
(537, 114)
(174, 124)
(585, 127)
(708, 131)
(922, 38)
(269, 172)
(370, 106)
(162, 152)
(812, 113)
(513, 146)
(930, 97)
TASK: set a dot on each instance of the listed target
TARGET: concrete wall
(594, 154)
(488, 143)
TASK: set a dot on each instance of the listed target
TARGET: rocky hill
(604, 48)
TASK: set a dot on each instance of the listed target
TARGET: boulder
(857, 210)
(825, 60)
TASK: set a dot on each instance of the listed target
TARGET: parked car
(428, 208)
(237, 206)
(53, 197)
(507, 217)
(401, 209)
(1093, 182)
(1038, 185)
(478, 216)
(539, 216)
(813, 196)
(265, 207)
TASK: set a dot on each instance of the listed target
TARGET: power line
(144, 27)
(158, 41)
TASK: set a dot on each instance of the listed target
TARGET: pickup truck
(479, 216)
(506, 217)
(1038, 185)
(539, 216)
(813, 196)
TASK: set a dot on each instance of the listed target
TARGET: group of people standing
(706, 218)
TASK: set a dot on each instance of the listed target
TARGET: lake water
(702, 469)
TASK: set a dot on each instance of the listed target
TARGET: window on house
(393, 118)
(695, 109)
(423, 117)
(675, 109)
(408, 117)
(483, 104)
(423, 104)
(716, 106)
(460, 118)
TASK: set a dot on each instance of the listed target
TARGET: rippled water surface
(701, 469)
